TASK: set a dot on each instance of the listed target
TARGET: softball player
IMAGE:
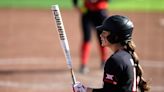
(122, 72)
(93, 12)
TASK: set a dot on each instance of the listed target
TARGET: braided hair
(141, 83)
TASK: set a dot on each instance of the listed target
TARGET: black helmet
(120, 28)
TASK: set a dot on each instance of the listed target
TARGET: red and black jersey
(119, 74)
(94, 5)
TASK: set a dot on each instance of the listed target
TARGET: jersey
(119, 73)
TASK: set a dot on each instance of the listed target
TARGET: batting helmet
(120, 28)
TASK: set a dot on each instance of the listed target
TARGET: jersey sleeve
(113, 71)
(112, 74)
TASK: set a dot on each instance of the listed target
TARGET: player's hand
(78, 87)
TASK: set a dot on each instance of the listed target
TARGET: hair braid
(130, 48)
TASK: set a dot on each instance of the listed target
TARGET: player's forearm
(94, 90)
(89, 89)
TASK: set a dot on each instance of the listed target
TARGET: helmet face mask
(120, 28)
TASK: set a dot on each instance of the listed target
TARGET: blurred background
(32, 60)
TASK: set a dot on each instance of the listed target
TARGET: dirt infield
(31, 59)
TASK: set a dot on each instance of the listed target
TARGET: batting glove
(79, 87)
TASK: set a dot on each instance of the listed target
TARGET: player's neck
(116, 47)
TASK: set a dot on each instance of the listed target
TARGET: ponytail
(142, 84)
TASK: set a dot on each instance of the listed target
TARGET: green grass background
(121, 5)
